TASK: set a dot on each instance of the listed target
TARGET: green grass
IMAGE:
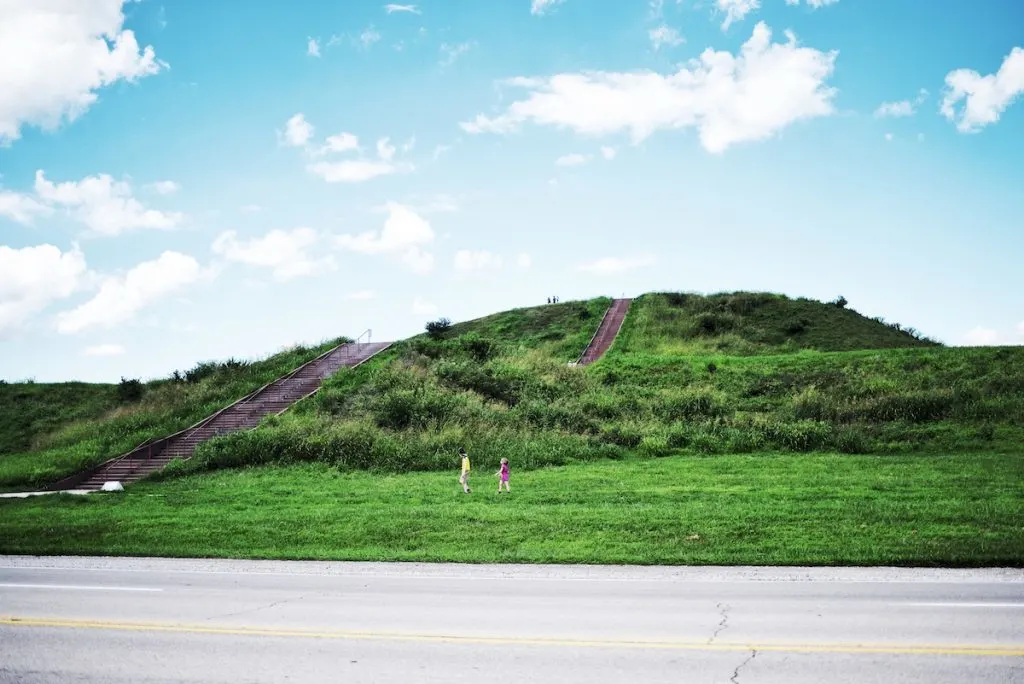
(52, 431)
(748, 323)
(813, 509)
(29, 411)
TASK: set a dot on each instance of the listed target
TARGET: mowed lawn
(920, 510)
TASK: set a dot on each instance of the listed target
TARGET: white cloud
(736, 10)
(385, 150)
(980, 336)
(21, 207)
(422, 307)
(813, 4)
(104, 205)
(298, 131)
(888, 137)
(409, 145)
(608, 152)
(572, 160)
(31, 278)
(104, 350)
(542, 6)
(121, 297)
(55, 55)
(468, 260)
(901, 108)
(610, 265)
(728, 99)
(164, 187)
(403, 236)
(357, 170)
(313, 47)
(286, 252)
(368, 37)
(392, 8)
(984, 97)
(360, 295)
(439, 150)
(339, 144)
(524, 261)
(664, 35)
(452, 52)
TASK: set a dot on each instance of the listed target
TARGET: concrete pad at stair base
(25, 495)
(112, 486)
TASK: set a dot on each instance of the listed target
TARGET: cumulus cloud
(981, 336)
(357, 170)
(120, 297)
(313, 47)
(104, 350)
(288, 253)
(385, 150)
(664, 36)
(166, 187)
(104, 205)
(728, 99)
(609, 265)
(31, 278)
(984, 98)
(298, 131)
(22, 208)
(574, 159)
(392, 8)
(340, 144)
(542, 6)
(735, 10)
(55, 57)
(902, 108)
(608, 152)
(524, 261)
(403, 237)
(468, 260)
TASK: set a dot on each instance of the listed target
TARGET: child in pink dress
(503, 476)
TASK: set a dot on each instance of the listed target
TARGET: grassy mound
(501, 387)
(58, 430)
(749, 323)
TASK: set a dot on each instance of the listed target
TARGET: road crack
(724, 612)
(736, 673)
(257, 609)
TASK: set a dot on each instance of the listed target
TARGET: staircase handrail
(596, 333)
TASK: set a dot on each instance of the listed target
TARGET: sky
(201, 179)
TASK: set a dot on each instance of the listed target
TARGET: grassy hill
(733, 428)
(49, 431)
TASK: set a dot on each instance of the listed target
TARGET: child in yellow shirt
(464, 477)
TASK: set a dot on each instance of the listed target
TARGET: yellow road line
(1016, 650)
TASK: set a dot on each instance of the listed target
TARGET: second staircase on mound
(606, 332)
(242, 415)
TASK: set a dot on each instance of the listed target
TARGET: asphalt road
(148, 620)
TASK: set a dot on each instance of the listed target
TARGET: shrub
(691, 404)
(130, 390)
(676, 299)
(479, 348)
(710, 324)
(839, 302)
(437, 330)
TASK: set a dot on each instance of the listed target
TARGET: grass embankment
(50, 431)
(503, 393)
(813, 509)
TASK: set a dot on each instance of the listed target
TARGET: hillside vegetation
(501, 387)
(50, 431)
(730, 429)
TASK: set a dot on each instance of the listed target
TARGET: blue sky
(193, 180)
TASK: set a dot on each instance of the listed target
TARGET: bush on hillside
(129, 391)
(437, 330)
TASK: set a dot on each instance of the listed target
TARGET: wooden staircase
(606, 332)
(244, 414)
